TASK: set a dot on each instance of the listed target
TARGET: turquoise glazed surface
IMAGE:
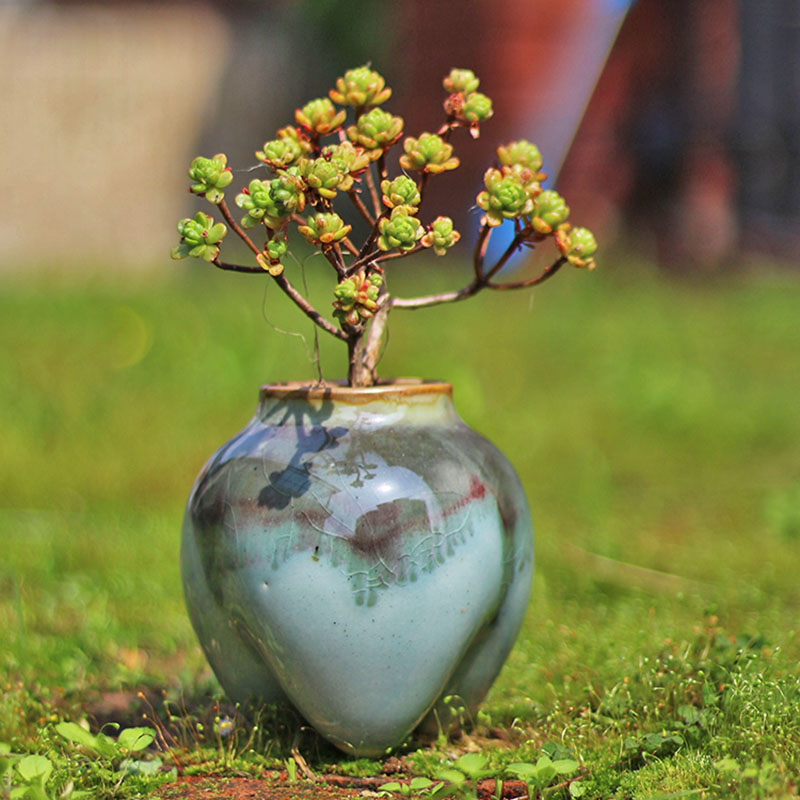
(360, 554)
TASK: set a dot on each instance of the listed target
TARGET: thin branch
(237, 267)
(369, 241)
(334, 257)
(235, 225)
(292, 293)
(398, 254)
(370, 181)
(446, 131)
(479, 253)
(509, 251)
(381, 164)
(362, 209)
(308, 309)
(436, 299)
(423, 180)
(362, 262)
(546, 273)
(350, 246)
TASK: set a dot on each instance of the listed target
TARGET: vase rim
(339, 390)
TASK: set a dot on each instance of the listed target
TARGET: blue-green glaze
(359, 554)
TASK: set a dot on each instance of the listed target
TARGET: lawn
(655, 425)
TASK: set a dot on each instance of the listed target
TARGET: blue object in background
(570, 82)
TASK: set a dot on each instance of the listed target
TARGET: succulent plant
(319, 116)
(210, 176)
(277, 248)
(323, 176)
(461, 80)
(549, 211)
(401, 230)
(302, 168)
(325, 228)
(270, 260)
(578, 245)
(441, 236)
(350, 160)
(402, 191)
(360, 87)
(477, 108)
(376, 131)
(256, 200)
(200, 237)
(356, 298)
(520, 152)
(429, 153)
(505, 197)
(280, 152)
(272, 201)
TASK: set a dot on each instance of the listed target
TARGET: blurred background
(650, 407)
(689, 146)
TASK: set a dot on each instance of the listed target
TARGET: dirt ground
(327, 787)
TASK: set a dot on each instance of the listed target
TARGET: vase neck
(390, 404)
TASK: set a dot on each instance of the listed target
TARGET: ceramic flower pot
(360, 554)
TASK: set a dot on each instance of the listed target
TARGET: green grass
(654, 425)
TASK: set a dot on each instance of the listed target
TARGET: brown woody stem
(370, 181)
(381, 164)
(362, 209)
(436, 299)
(480, 251)
(546, 273)
(351, 248)
(507, 253)
(236, 228)
(307, 308)
(398, 254)
(236, 267)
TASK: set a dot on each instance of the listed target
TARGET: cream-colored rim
(403, 387)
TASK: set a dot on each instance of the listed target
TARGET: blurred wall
(100, 103)
(692, 137)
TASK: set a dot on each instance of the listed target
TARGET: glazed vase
(359, 554)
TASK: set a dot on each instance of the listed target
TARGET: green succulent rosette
(360, 87)
(356, 298)
(461, 80)
(210, 176)
(520, 152)
(578, 245)
(278, 153)
(349, 160)
(288, 191)
(257, 202)
(376, 131)
(428, 153)
(272, 201)
(400, 231)
(441, 235)
(530, 179)
(319, 116)
(402, 191)
(200, 237)
(549, 211)
(323, 176)
(277, 248)
(505, 197)
(270, 259)
(477, 108)
(324, 228)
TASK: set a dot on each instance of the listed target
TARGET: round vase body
(360, 554)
